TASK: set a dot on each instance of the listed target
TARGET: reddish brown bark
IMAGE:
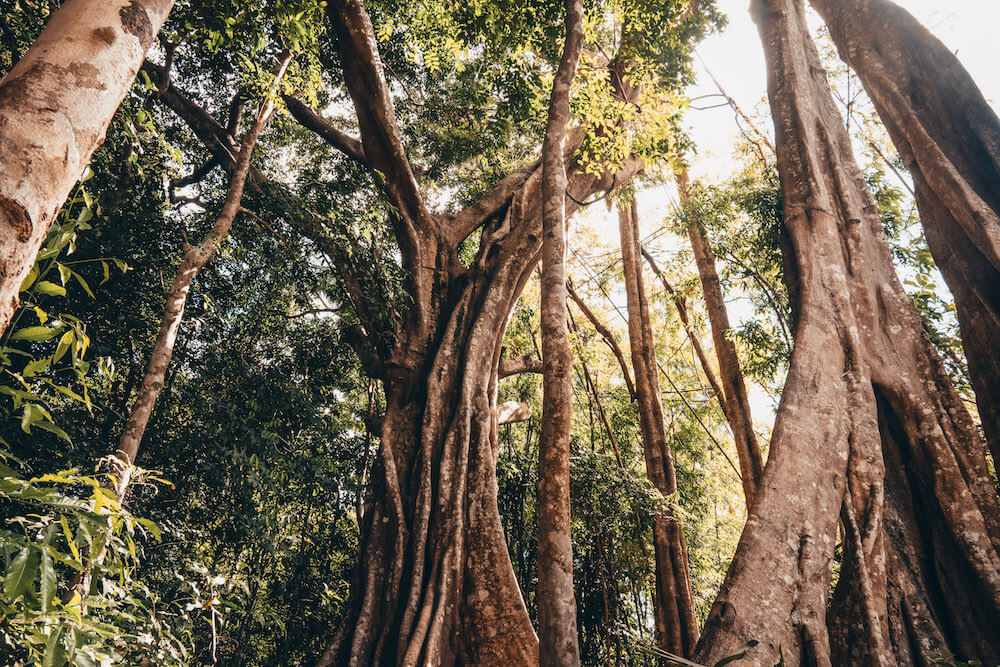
(441, 402)
(733, 384)
(677, 627)
(558, 642)
(949, 139)
(869, 432)
(55, 106)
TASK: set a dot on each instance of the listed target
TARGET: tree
(870, 433)
(947, 135)
(66, 88)
(558, 643)
(737, 405)
(434, 581)
(677, 628)
(194, 260)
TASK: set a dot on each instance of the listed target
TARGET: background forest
(236, 538)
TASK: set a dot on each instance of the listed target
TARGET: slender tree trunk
(949, 139)
(869, 432)
(558, 642)
(737, 403)
(55, 106)
(194, 259)
(677, 627)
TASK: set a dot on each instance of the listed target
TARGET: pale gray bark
(869, 432)
(55, 107)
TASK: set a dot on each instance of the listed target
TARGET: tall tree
(55, 106)
(869, 433)
(733, 384)
(434, 581)
(948, 136)
(677, 627)
(558, 643)
(194, 259)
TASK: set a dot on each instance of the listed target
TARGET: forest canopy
(365, 332)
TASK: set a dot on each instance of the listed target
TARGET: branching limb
(606, 334)
(522, 364)
(311, 120)
(380, 136)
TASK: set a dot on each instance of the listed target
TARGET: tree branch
(522, 364)
(606, 334)
(380, 136)
(311, 120)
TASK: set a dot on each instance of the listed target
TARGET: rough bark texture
(737, 403)
(434, 583)
(677, 626)
(869, 432)
(55, 106)
(949, 139)
(441, 404)
(194, 259)
(558, 643)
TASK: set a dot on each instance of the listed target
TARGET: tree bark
(55, 106)
(733, 384)
(194, 259)
(869, 432)
(558, 642)
(677, 626)
(949, 139)
(435, 471)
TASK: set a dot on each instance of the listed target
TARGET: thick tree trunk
(55, 106)
(558, 642)
(677, 626)
(949, 138)
(435, 584)
(869, 432)
(433, 486)
(737, 403)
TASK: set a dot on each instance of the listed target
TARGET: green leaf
(68, 534)
(737, 656)
(64, 344)
(83, 284)
(48, 582)
(29, 279)
(55, 430)
(33, 414)
(21, 573)
(35, 334)
(55, 655)
(35, 366)
(50, 288)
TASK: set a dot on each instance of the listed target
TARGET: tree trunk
(558, 642)
(677, 627)
(949, 138)
(433, 486)
(737, 403)
(435, 584)
(55, 106)
(869, 432)
(194, 259)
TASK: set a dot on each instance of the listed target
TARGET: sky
(736, 59)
